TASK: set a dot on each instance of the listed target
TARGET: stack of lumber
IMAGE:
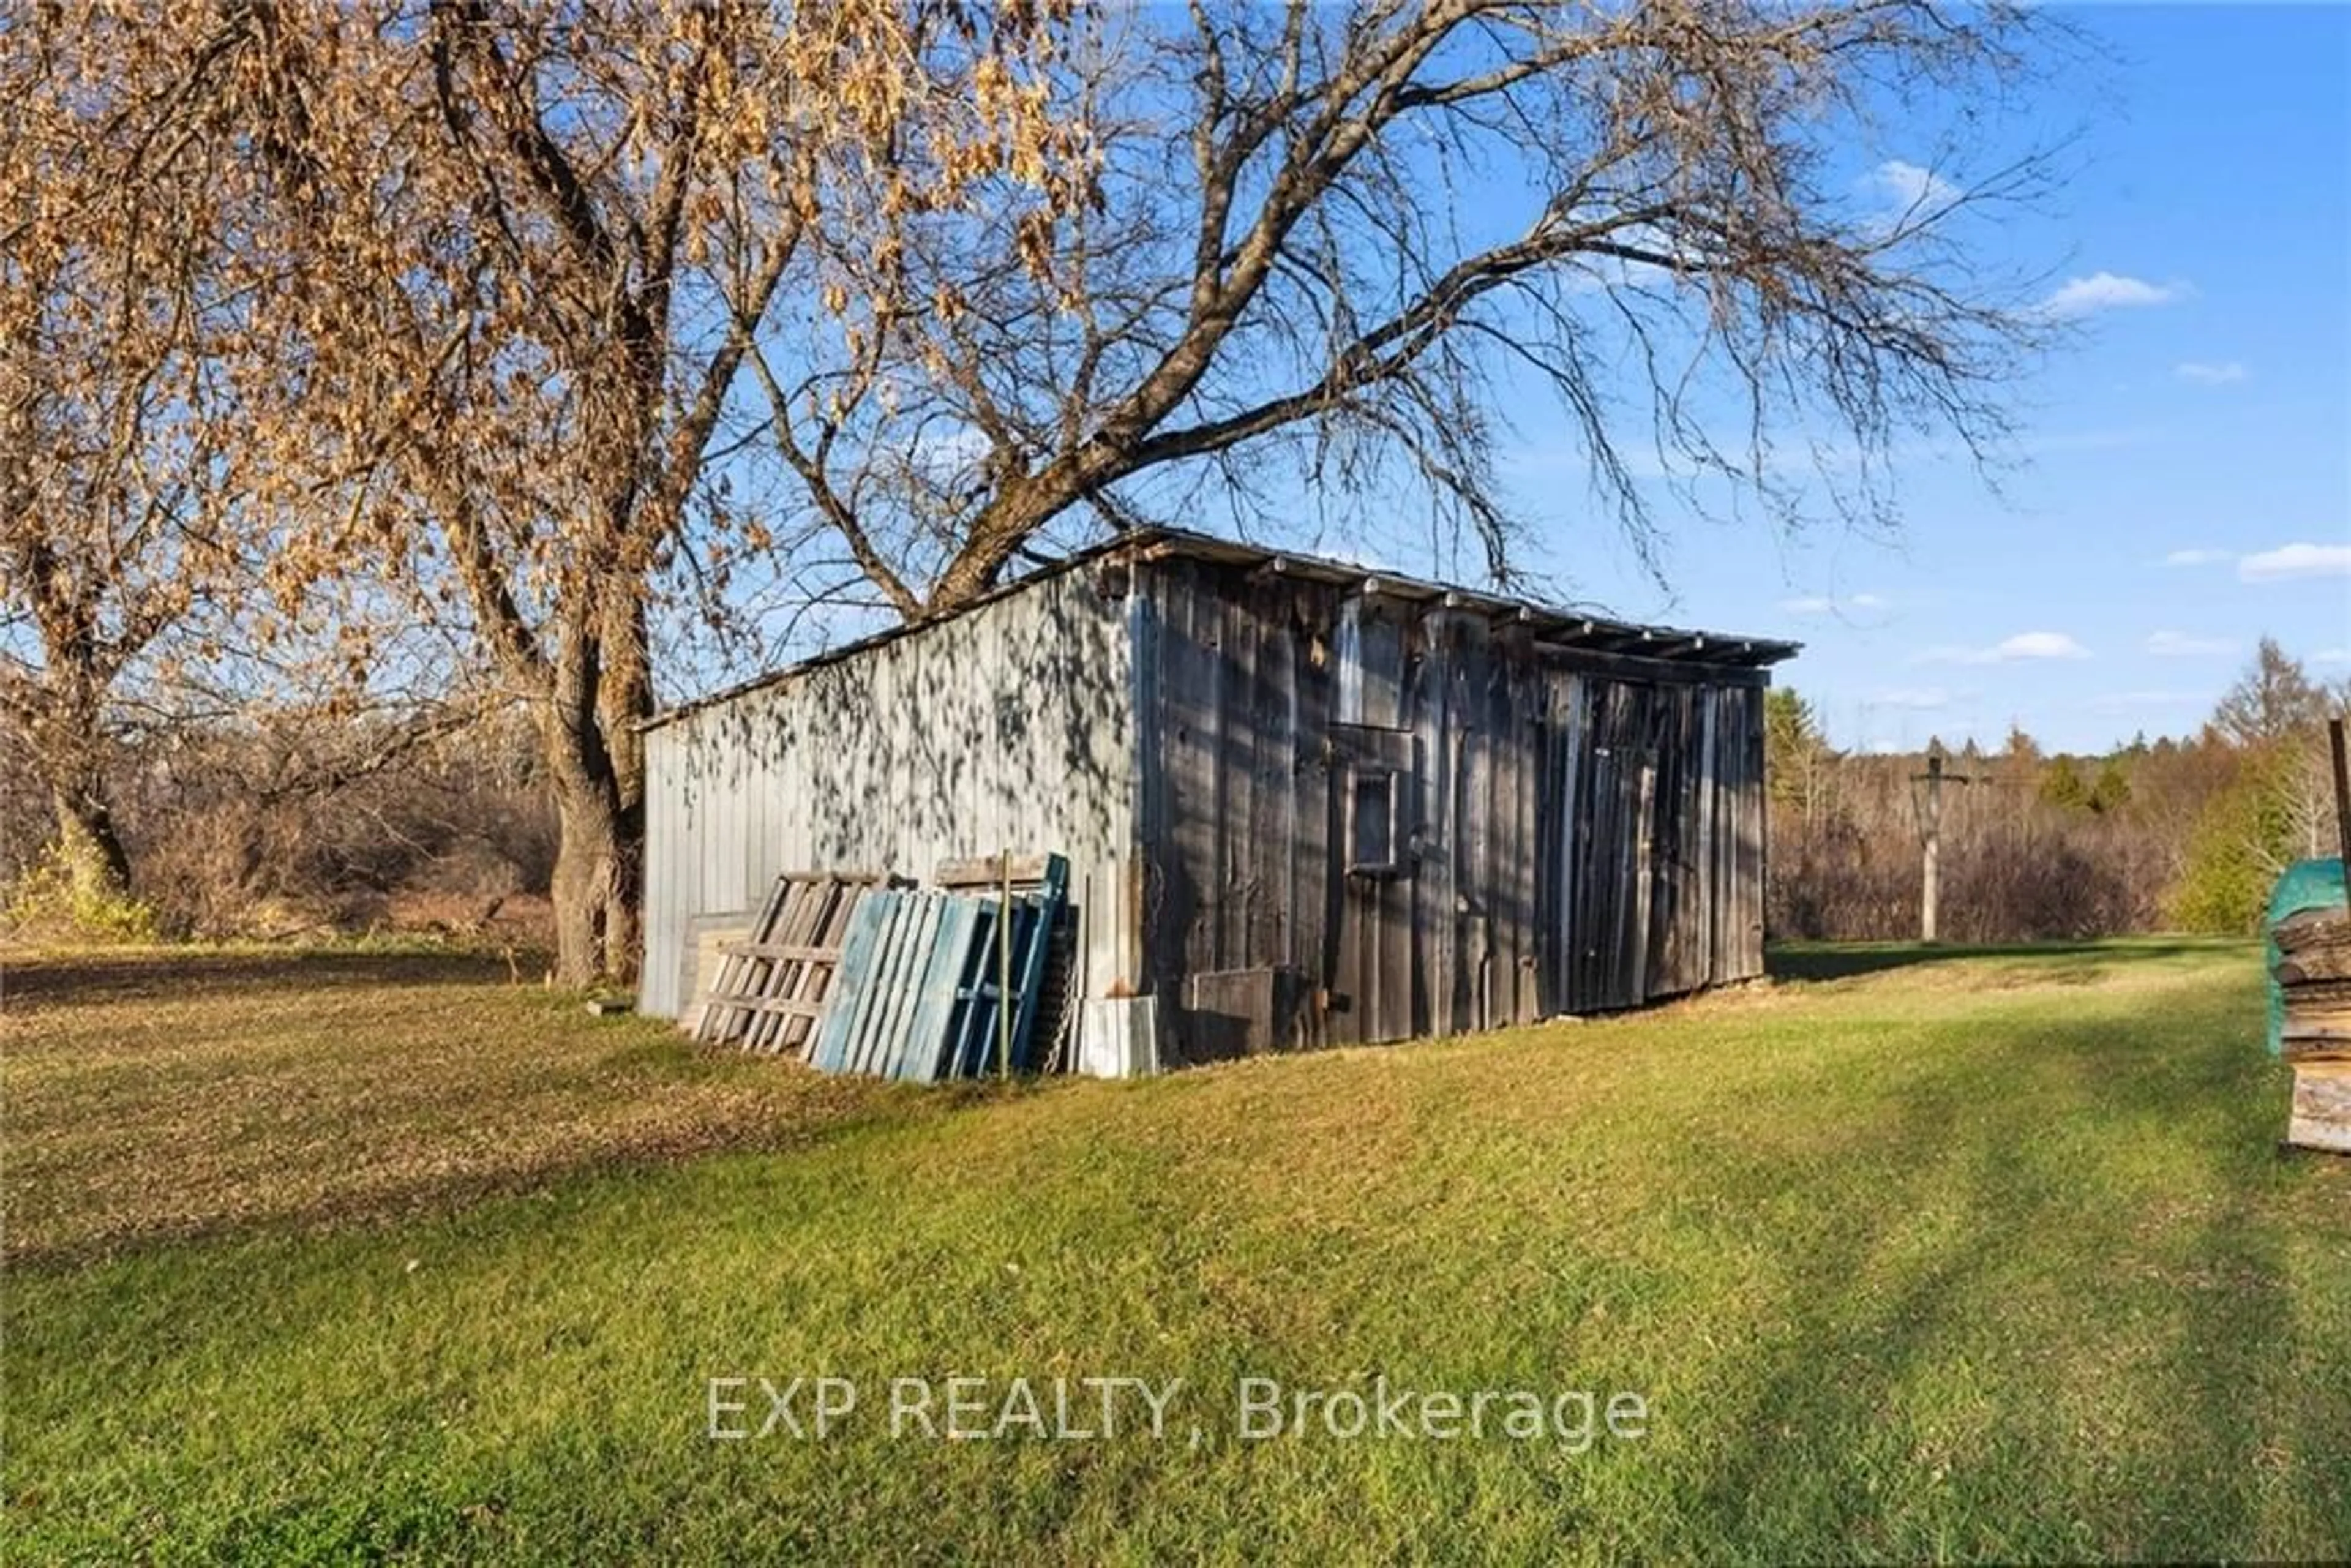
(771, 990)
(2314, 971)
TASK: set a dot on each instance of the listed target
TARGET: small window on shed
(1368, 647)
(1374, 841)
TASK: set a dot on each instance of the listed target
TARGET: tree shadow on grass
(2060, 1319)
(1843, 961)
(571, 1176)
(68, 978)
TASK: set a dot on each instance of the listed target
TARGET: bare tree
(1798, 761)
(1355, 228)
(2275, 715)
(2273, 699)
(121, 300)
(537, 242)
(991, 268)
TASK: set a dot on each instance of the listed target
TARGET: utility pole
(2342, 794)
(1926, 797)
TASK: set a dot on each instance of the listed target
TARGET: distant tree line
(2171, 835)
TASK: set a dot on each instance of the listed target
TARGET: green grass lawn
(1974, 1256)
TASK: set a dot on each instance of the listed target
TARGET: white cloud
(2331, 656)
(2110, 291)
(1611, 272)
(2040, 645)
(2023, 646)
(1912, 189)
(1828, 604)
(2181, 645)
(2199, 556)
(2211, 375)
(2295, 561)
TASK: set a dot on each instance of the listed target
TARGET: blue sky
(2186, 482)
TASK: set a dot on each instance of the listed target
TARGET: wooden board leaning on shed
(2314, 970)
(771, 990)
(947, 982)
(705, 937)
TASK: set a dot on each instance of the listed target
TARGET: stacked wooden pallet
(1034, 882)
(2314, 970)
(771, 990)
(951, 981)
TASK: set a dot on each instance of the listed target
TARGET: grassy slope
(1989, 1257)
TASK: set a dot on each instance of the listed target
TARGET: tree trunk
(625, 700)
(598, 843)
(87, 839)
(594, 890)
(971, 573)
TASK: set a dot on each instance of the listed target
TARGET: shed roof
(1556, 626)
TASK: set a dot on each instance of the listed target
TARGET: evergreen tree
(2112, 790)
(1796, 755)
(2063, 786)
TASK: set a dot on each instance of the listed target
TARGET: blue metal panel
(1033, 946)
(880, 996)
(917, 930)
(919, 1055)
(852, 983)
(979, 991)
(916, 994)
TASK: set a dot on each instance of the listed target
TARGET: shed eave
(1555, 626)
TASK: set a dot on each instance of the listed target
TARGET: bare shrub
(2031, 851)
(262, 830)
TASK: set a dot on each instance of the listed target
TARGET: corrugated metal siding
(1009, 726)
(1580, 837)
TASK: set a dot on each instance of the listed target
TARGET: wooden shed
(1304, 804)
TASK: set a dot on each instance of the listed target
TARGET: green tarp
(2306, 885)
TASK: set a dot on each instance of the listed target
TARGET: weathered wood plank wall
(1574, 831)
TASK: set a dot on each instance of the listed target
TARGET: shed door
(1375, 823)
(1613, 869)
